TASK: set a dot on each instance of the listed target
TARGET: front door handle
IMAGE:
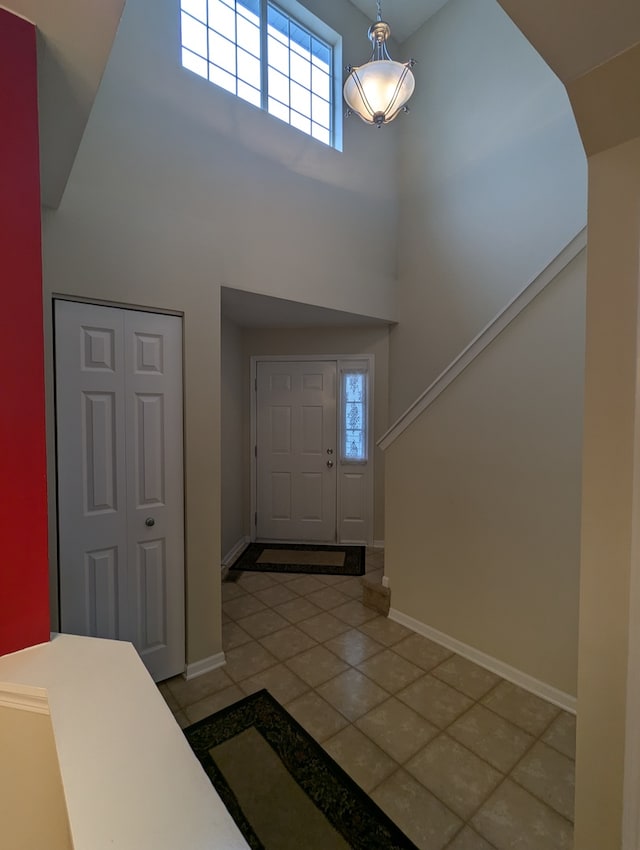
(149, 521)
(329, 463)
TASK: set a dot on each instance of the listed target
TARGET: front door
(296, 451)
(120, 479)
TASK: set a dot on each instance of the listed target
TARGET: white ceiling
(403, 16)
(250, 310)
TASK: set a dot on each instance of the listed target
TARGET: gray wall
(492, 185)
(483, 495)
(234, 389)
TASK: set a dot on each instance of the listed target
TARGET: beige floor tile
(454, 774)
(396, 729)
(385, 631)
(352, 694)
(187, 692)
(279, 681)
(317, 665)
(351, 587)
(323, 626)
(233, 635)
(390, 671)
(263, 623)
(423, 818)
(243, 606)
(422, 651)
(255, 581)
(491, 737)
(181, 719)
(435, 701)
(287, 642)
(231, 590)
(521, 707)
(169, 698)
(214, 702)
(297, 609)
(514, 818)
(470, 678)
(365, 762)
(354, 613)
(275, 595)
(562, 734)
(313, 713)
(247, 660)
(225, 618)
(334, 580)
(550, 776)
(354, 646)
(328, 598)
(468, 839)
(304, 585)
(375, 575)
(285, 578)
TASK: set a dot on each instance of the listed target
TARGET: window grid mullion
(283, 26)
(264, 54)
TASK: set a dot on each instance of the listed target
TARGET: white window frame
(323, 32)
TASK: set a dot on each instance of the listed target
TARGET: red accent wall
(24, 591)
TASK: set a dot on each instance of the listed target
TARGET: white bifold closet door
(120, 479)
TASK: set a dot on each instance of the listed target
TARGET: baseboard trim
(24, 698)
(235, 551)
(205, 665)
(524, 680)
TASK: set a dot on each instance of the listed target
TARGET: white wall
(179, 188)
(492, 185)
(483, 495)
(234, 390)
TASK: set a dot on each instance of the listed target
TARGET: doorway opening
(312, 449)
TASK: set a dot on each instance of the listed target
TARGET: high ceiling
(75, 39)
(403, 16)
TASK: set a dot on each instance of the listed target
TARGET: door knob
(149, 521)
(329, 463)
(329, 451)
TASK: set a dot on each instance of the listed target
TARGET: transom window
(256, 50)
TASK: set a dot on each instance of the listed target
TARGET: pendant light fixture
(378, 90)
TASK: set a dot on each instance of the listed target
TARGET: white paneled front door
(120, 479)
(296, 451)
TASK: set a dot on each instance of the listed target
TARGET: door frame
(54, 522)
(339, 360)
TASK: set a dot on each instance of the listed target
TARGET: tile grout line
(313, 689)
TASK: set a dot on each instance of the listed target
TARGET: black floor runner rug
(281, 788)
(302, 558)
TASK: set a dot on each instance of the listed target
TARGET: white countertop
(130, 779)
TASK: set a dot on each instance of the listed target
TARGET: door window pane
(354, 416)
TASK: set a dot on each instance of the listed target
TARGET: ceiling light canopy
(378, 90)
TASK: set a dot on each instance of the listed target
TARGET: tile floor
(457, 757)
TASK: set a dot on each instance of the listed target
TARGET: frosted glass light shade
(378, 90)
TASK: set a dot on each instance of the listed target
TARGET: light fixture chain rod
(379, 7)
